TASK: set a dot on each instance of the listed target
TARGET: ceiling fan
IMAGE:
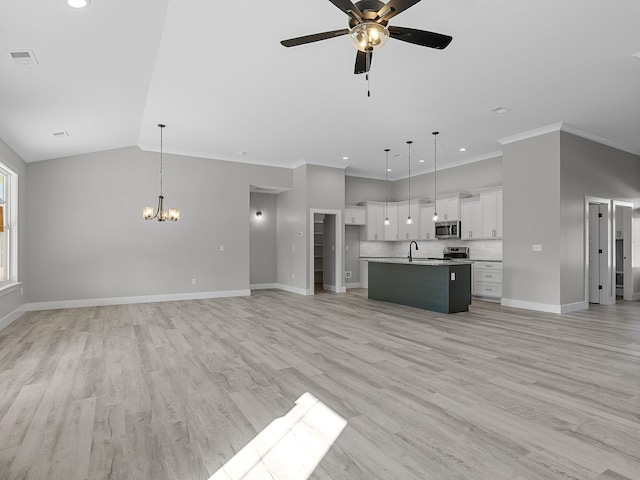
(368, 30)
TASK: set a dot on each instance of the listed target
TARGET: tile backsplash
(478, 249)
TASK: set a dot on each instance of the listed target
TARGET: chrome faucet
(410, 256)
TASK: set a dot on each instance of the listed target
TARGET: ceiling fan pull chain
(368, 66)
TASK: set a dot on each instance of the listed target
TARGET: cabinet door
(373, 228)
(499, 214)
(470, 219)
(448, 209)
(488, 202)
(358, 216)
(391, 230)
(491, 203)
(427, 227)
(408, 231)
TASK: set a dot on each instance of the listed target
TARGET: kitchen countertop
(419, 261)
(424, 259)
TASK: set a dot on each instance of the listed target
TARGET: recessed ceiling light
(499, 110)
(388, 169)
(637, 55)
(463, 149)
(345, 158)
(397, 155)
(420, 161)
(78, 3)
(242, 152)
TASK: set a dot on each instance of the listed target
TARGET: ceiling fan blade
(393, 8)
(420, 37)
(316, 37)
(349, 8)
(363, 64)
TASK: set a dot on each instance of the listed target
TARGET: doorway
(598, 250)
(325, 246)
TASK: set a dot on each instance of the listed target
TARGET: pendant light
(386, 184)
(409, 219)
(162, 215)
(435, 173)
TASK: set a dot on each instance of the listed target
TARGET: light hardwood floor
(173, 390)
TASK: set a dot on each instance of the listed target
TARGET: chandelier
(172, 214)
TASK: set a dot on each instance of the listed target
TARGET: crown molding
(567, 128)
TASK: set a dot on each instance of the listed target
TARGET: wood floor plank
(175, 389)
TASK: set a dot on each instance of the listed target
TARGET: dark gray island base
(443, 287)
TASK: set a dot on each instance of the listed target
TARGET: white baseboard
(544, 307)
(635, 297)
(264, 286)
(289, 288)
(353, 285)
(13, 316)
(99, 302)
(329, 288)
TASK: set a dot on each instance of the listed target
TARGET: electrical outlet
(347, 274)
(537, 247)
(194, 281)
(222, 248)
(453, 276)
(293, 276)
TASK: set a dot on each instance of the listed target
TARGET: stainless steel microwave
(449, 229)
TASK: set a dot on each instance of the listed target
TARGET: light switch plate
(537, 247)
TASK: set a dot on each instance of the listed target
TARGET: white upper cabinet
(354, 215)
(448, 208)
(408, 231)
(470, 218)
(391, 230)
(491, 203)
(375, 221)
(427, 227)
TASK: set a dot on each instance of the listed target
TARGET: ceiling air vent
(60, 134)
(499, 110)
(23, 57)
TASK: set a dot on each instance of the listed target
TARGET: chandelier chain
(161, 129)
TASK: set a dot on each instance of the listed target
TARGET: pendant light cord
(435, 170)
(386, 184)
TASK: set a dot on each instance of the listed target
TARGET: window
(8, 267)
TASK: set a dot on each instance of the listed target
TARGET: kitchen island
(439, 285)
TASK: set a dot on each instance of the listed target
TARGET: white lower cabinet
(487, 279)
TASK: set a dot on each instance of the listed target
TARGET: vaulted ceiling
(215, 73)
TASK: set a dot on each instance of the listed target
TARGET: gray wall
(88, 239)
(14, 300)
(364, 190)
(463, 179)
(263, 262)
(352, 253)
(546, 179)
(293, 219)
(531, 215)
(591, 169)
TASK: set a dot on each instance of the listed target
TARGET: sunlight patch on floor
(290, 447)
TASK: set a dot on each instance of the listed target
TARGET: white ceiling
(216, 74)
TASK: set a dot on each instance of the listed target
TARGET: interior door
(594, 255)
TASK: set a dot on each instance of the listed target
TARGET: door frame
(340, 288)
(608, 297)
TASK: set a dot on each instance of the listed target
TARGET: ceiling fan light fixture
(368, 36)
